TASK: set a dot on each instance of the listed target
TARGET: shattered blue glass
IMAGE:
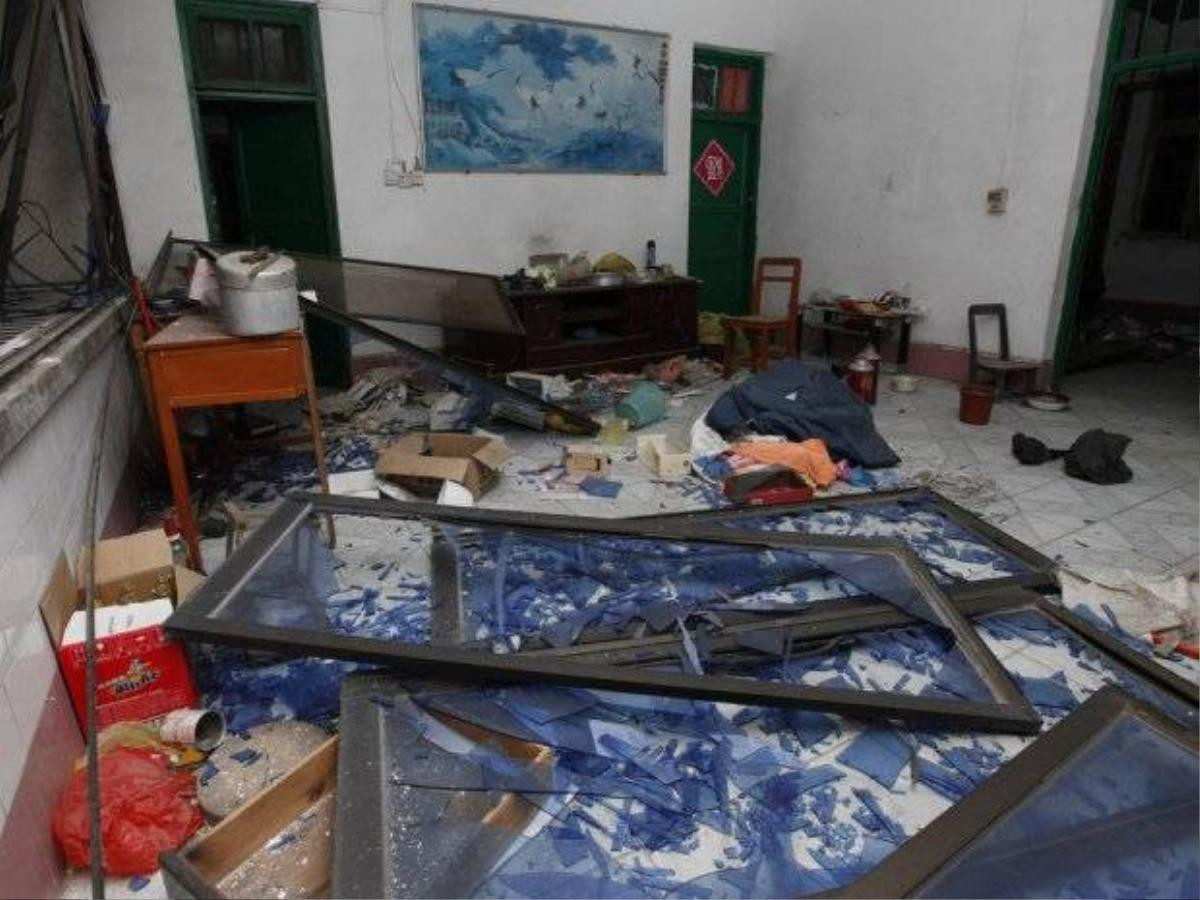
(952, 552)
(1081, 663)
(1119, 820)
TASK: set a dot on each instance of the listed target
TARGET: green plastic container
(644, 404)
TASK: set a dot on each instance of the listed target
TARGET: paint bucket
(975, 403)
(203, 729)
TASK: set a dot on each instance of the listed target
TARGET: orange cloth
(809, 458)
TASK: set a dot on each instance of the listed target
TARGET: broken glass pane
(1078, 666)
(1118, 820)
(953, 552)
(569, 601)
(372, 290)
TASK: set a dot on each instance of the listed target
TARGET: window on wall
(725, 89)
(1156, 27)
(238, 53)
(1169, 197)
(704, 86)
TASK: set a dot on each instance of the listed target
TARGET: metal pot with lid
(258, 292)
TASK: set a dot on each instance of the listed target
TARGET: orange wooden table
(193, 362)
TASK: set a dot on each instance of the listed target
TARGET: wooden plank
(237, 837)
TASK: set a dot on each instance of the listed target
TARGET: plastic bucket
(975, 403)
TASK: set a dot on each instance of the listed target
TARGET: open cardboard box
(421, 461)
(141, 673)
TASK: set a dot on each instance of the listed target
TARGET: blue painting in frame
(507, 93)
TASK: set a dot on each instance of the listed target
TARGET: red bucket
(975, 403)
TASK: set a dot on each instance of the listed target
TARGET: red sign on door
(714, 167)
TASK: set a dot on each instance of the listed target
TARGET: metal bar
(195, 620)
(358, 861)
(923, 856)
(35, 76)
(472, 666)
(70, 45)
(446, 617)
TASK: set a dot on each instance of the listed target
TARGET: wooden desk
(630, 324)
(864, 324)
(193, 362)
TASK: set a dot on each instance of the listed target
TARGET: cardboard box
(652, 450)
(140, 672)
(421, 461)
(134, 567)
(586, 459)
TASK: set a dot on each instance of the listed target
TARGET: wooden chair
(1001, 365)
(759, 329)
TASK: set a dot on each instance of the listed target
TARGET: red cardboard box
(140, 672)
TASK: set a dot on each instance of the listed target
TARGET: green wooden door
(726, 117)
(281, 204)
(280, 191)
(259, 110)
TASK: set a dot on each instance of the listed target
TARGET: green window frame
(254, 17)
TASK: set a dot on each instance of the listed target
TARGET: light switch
(997, 200)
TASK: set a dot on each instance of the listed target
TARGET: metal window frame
(1008, 711)
(923, 856)
(830, 619)
(359, 861)
(513, 325)
(1041, 568)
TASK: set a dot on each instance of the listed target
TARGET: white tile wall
(42, 486)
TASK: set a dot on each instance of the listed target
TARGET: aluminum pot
(258, 294)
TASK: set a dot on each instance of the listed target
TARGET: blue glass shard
(947, 782)
(1048, 693)
(879, 753)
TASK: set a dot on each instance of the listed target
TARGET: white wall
(150, 124)
(42, 489)
(886, 124)
(492, 222)
(489, 222)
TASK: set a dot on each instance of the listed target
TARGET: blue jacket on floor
(799, 401)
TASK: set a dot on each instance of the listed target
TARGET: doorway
(1133, 284)
(259, 113)
(726, 122)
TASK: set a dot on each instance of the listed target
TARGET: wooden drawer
(272, 369)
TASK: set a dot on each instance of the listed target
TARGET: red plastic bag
(145, 808)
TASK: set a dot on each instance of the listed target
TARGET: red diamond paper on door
(714, 167)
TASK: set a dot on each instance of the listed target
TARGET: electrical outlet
(997, 200)
(396, 173)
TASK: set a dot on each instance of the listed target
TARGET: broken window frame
(1041, 568)
(829, 619)
(923, 856)
(359, 860)
(524, 408)
(1008, 710)
(511, 324)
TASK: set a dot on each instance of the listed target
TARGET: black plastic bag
(1096, 456)
(1032, 452)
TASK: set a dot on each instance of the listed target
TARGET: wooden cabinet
(578, 328)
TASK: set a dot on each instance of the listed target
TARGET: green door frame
(752, 117)
(1114, 70)
(313, 93)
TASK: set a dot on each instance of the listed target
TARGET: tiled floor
(1148, 525)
